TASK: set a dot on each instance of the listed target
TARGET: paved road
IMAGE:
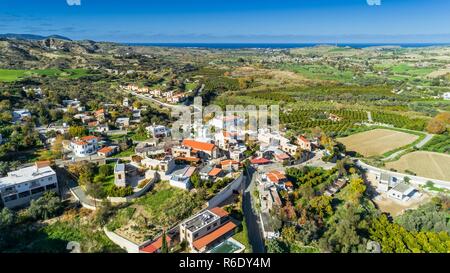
(253, 226)
(418, 180)
(427, 138)
(147, 98)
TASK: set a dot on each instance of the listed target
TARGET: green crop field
(320, 72)
(11, 75)
(405, 69)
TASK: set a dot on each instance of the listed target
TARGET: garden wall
(226, 192)
(129, 246)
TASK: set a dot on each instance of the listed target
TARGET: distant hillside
(29, 52)
(31, 37)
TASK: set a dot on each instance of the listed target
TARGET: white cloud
(73, 2)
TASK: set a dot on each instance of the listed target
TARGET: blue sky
(231, 20)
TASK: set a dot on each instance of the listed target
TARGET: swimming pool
(227, 246)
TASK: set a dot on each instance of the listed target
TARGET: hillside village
(102, 159)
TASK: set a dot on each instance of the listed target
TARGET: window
(37, 190)
(50, 178)
(10, 198)
(195, 235)
(24, 194)
(208, 228)
(51, 186)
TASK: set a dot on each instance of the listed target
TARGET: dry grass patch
(377, 142)
(426, 164)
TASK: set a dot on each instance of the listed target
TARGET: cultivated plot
(377, 142)
(426, 164)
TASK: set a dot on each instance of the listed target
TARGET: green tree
(103, 213)
(95, 190)
(196, 181)
(275, 246)
(342, 234)
(164, 247)
(77, 131)
(322, 205)
(355, 190)
(45, 207)
(106, 170)
(7, 218)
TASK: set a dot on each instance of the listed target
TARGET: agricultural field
(11, 75)
(439, 144)
(377, 142)
(426, 164)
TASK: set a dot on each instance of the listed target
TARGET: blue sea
(280, 45)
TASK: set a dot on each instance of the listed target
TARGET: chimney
(41, 164)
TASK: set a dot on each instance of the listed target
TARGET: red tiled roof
(216, 234)
(228, 162)
(215, 172)
(197, 145)
(80, 142)
(153, 247)
(219, 212)
(260, 161)
(100, 111)
(105, 150)
(88, 138)
(275, 176)
(303, 139)
(42, 164)
(282, 156)
(229, 134)
(289, 184)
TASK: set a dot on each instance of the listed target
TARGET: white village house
(84, 146)
(19, 187)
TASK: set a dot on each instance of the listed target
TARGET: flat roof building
(19, 187)
(206, 229)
